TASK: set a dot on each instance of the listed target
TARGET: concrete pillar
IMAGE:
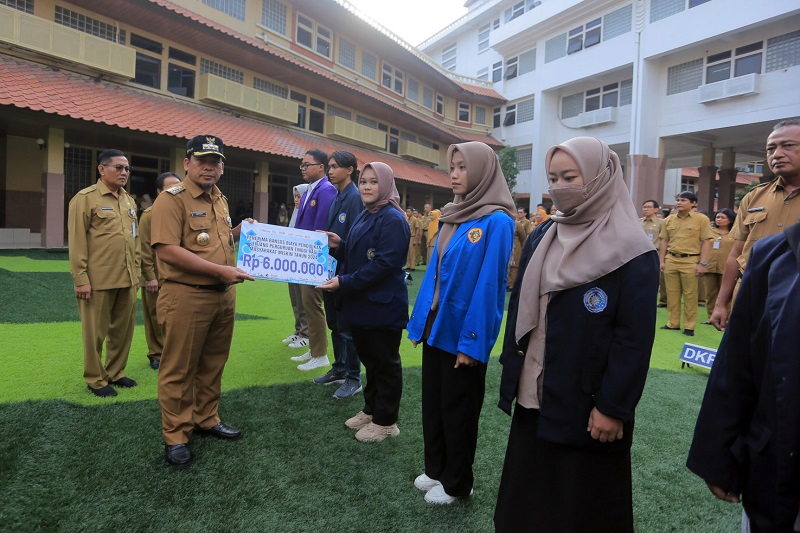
(52, 230)
(403, 195)
(649, 176)
(261, 192)
(726, 186)
(705, 188)
(176, 157)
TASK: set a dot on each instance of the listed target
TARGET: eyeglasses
(119, 168)
(306, 165)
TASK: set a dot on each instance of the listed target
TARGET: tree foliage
(508, 164)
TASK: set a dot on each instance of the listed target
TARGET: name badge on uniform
(106, 208)
(198, 213)
(755, 209)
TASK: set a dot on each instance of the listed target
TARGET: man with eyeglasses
(313, 215)
(104, 263)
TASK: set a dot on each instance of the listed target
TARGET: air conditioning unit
(720, 90)
(597, 117)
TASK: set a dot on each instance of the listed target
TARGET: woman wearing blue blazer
(375, 298)
(457, 317)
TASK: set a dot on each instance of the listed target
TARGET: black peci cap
(205, 145)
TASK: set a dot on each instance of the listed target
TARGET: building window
(688, 184)
(180, 80)
(525, 158)
(584, 36)
(413, 90)
(273, 16)
(148, 71)
(527, 62)
(618, 22)
(496, 117)
(405, 136)
(483, 74)
(313, 36)
(572, 105)
(464, 112)
(483, 38)
(511, 68)
(347, 54)
(316, 116)
(146, 44)
(661, 9)
(626, 92)
(511, 115)
(77, 21)
(734, 63)
(449, 57)
(439, 104)
(369, 65)
(783, 51)
(685, 77)
(234, 8)
(495, 24)
(514, 12)
(79, 170)
(392, 78)
(368, 122)
(300, 98)
(525, 111)
(427, 97)
(212, 67)
(555, 48)
(21, 5)
(480, 115)
(180, 55)
(336, 111)
(270, 87)
(497, 72)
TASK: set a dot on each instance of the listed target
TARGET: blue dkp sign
(698, 355)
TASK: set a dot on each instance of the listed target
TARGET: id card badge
(133, 229)
(652, 236)
(716, 245)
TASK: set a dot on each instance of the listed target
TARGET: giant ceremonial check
(284, 254)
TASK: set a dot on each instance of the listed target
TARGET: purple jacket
(313, 215)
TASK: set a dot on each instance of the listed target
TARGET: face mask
(568, 197)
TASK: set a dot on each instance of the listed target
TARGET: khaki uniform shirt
(765, 210)
(686, 235)
(103, 238)
(720, 249)
(149, 258)
(652, 228)
(187, 216)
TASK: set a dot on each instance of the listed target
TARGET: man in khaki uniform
(194, 240)
(426, 221)
(415, 226)
(683, 254)
(104, 262)
(652, 225)
(520, 234)
(766, 210)
(150, 283)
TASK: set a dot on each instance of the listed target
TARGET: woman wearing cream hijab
(457, 317)
(579, 332)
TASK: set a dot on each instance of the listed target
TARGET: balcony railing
(347, 130)
(229, 93)
(412, 150)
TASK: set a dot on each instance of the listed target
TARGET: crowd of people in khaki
(573, 396)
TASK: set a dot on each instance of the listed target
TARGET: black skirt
(547, 487)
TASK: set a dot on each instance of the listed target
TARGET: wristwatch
(704, 263)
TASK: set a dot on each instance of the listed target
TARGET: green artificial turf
(74, 462)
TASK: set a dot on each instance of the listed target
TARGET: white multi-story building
(666, 83)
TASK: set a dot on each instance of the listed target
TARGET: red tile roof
(742, 178)
(482, 91)
(38, 88)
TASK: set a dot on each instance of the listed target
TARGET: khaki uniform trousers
(108, 316)
(512, 275)
(152, 329)
(680, 275)
(430, 252)
(197, 325)
(413, 252)
(315, 315)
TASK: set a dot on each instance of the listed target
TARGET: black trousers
(380, 353)
(452, 399)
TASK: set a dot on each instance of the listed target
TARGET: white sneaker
(290, 339)
(439, 496)
(315, 362)
(424, 483)
(299, 343)
(358, 421)
(372, 432)
(302, 358)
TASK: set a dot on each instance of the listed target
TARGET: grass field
(73, 462)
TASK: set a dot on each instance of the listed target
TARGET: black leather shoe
(104, 392)
(221, 431)
(661, 306)
(154, 363)
(669, 328)
(124, 382)
(178, 455)
(688, 332)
